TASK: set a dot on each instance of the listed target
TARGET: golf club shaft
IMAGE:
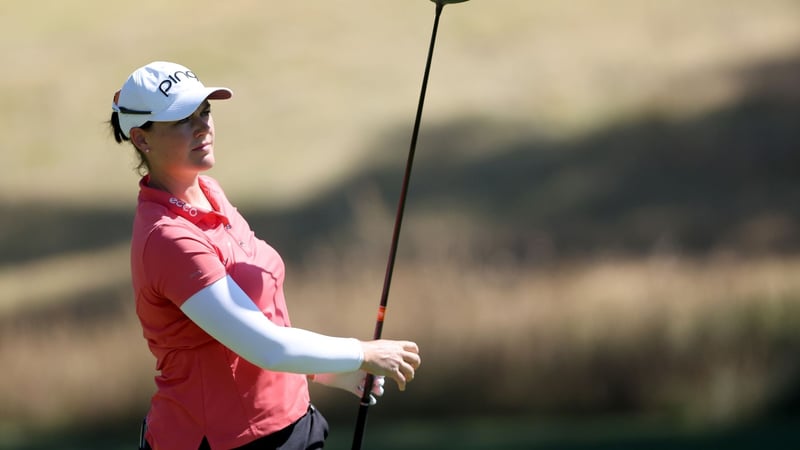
(387, 281)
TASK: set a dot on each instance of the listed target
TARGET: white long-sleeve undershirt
(224, 311)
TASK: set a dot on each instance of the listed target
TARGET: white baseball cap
(161, 92)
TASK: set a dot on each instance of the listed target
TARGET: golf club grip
(361, 421)
(370, 378)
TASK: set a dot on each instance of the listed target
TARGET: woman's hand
(397, 360)
(351, 382)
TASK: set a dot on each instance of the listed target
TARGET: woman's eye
(203, 113)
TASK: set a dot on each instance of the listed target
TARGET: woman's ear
(139, 139)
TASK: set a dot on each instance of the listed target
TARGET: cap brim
(220, 93)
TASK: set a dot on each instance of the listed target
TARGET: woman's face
(182, 147)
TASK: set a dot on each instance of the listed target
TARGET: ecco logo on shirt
(175, 78)
(184, 206)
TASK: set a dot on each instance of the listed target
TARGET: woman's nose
(201, 125)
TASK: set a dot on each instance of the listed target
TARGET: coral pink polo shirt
(205, 389)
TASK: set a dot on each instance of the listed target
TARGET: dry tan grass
(689, 337)
(74, 273)
(512, 323)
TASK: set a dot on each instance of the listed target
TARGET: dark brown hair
(142, 168)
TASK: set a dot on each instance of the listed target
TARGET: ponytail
(119, 136)
(142, 167)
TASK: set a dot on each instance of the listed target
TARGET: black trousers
(308, 433)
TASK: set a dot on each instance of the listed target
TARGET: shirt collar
(179, 207)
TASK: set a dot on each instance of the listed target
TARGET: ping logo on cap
(175, 78)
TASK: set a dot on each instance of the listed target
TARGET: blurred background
(601, 247)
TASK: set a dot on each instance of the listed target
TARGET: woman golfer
(233, 373)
